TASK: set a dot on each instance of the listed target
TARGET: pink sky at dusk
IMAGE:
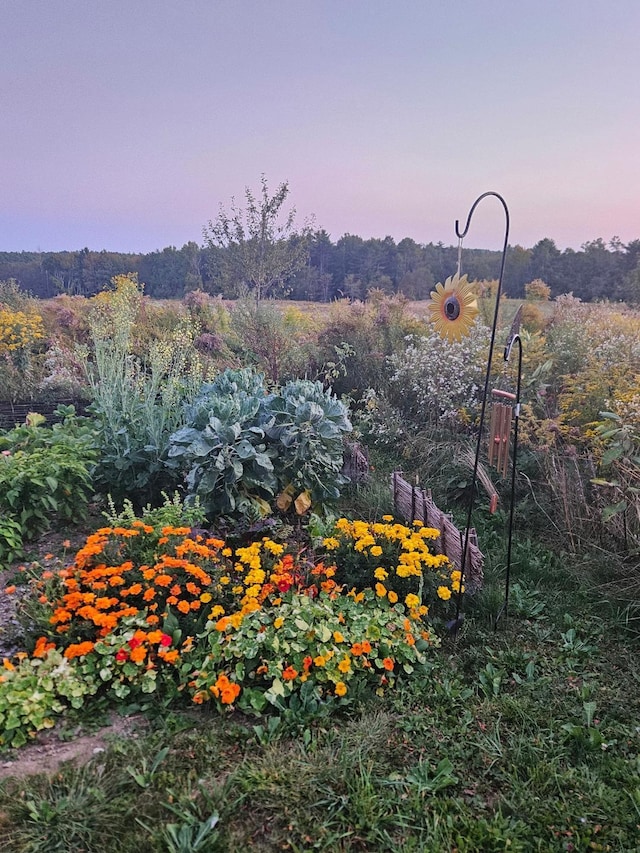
(125, 125)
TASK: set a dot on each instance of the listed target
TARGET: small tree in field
(262, 246)
(537, 291)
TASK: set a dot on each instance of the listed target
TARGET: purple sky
(126, 124)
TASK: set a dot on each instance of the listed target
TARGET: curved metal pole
(507, 356)
(474, 477)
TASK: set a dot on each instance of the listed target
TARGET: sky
(125, 125)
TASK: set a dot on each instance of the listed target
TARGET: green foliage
(173, 512)
(33, 693)
(136, 404)
(621, 462)
(242, 446)
(308, 429)
(223, 446)
(11, 540)
(45, 472)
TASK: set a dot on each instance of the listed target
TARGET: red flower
(284, 585)
(134, 642)
(165, 640)
(121, 655)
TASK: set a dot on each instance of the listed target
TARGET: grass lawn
(524, 739)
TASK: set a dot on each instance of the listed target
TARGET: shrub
(242, 446)
(435, 381)
(136, 404)
(45, 472)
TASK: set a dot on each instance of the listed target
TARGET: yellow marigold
(444, 593)
(387, 518)
(381, 590)
(392, 596)
(376, 551)
(331, 543)
(412, 600)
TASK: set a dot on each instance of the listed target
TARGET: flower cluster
(142, 609)
(393, 558)
(19, 330)
(105, 585)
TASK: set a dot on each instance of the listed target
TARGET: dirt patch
(49, 753)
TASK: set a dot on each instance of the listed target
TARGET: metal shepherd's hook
(507, 355)
(474, 478)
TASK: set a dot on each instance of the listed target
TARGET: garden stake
(474, 477)
(516, 416)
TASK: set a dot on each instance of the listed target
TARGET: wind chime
(500, 430)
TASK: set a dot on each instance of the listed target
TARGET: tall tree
(263, 247)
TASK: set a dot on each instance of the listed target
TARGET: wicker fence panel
(415, 504)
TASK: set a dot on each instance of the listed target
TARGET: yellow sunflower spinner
(453, 308)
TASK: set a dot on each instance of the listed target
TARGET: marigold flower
(76, 650)
(444, 593)
(381, 590)
(387, 663)
(183, 606)
(289, 674)
(169, 657)
(229, 694)
(340, 688)
(138, 654)
(392, 596)
(42, 647)
(376, 551)
(412, 600)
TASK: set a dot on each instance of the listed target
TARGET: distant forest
(349, 268)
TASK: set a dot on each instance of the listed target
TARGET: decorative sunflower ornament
(453, 307)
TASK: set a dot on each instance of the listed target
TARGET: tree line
(348, 267)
